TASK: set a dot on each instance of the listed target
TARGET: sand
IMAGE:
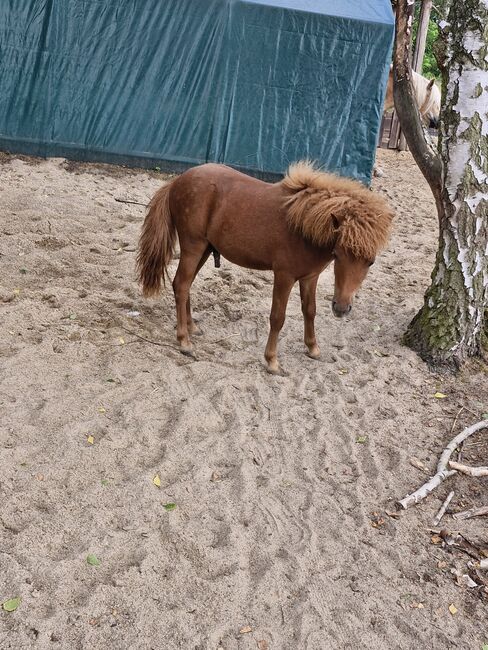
(280, 538)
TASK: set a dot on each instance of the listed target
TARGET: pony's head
(343, 216)
(349, 273)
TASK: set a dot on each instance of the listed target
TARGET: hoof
(276, 369)
(196, 331)
(314, 353)
(187, 351)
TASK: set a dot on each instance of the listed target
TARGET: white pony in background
(427, 95)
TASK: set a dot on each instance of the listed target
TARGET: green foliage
(430, 68)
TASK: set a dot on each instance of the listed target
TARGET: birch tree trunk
(449, 327)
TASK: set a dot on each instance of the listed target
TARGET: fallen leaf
(11, 604)
(121, 340)
(463, 579)
(101, 409)
(169, 506)
(90, 440)
(362, 439)
(343, 371)
(157, 481)
(452, 609)
(110, 380)
(263, 645)
(16, 291)
(215, 477)
(245, 630)
(484, 416)
(376, 328)
(415, 605)
(72, 316)
(415, 462)
(92, 560)
(441, 564)
(104, 481)
(484, 646)
(435, 539)
(23, 271)
(440, 395)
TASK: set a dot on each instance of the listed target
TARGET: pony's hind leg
(308, 290)
(283, 284)
(190, 258)
(193, 328)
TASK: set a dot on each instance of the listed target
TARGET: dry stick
(442, 471)
(128, 201)
(472, 512)
(460, 450)
(143, 338)
(443, 509)
(466, 469)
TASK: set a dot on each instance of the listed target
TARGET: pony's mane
(329, 210)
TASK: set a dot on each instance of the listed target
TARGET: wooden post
(421, 40)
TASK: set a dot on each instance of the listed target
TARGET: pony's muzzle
(340, 310)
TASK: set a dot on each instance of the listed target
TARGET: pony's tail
(156, 243)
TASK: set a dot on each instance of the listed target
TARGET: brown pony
(295, 228)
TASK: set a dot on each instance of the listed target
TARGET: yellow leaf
(440, 395)
(17, 291)
(245, 630)
(101, 409)
(157, 481)
(122, 340)
(452, 609)
(90, 440)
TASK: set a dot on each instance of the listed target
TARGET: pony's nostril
(349, 307)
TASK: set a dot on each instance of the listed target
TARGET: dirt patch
(281, 534)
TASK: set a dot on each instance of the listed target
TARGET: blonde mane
(329, 210)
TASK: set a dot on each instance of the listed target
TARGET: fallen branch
(129, 201)
(143, 338)
(466, 469)
(442, 472)
(443, 509)
(461, 543)
(472, 512)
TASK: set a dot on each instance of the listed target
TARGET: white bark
(442, 471)
(466, 469)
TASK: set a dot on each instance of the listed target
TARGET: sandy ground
(280, 538)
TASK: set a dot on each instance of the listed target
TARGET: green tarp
(254, 84)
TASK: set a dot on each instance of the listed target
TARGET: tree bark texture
(449, 327)
(406, 107)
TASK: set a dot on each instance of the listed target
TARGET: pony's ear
(430, 84)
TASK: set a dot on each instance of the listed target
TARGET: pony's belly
(249, 259)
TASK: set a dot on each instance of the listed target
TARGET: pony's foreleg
(308, 289)
(185, 274)
(283, 284)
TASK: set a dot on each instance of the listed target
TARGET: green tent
(255, 84)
